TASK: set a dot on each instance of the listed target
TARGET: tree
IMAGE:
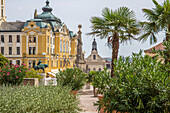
(158, 19)
(119, 25)
(3, 60)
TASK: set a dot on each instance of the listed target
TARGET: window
(10, 62)
(34, 62)
(18, 38)
(48, 39)
(51, 64)
(32, 38)
(57, 63)
(89, 69)
(51, 51)
(34, 51)
(18, 50)
(2, 50)
(61, 64)
(48, 51)
(10, 38)
(2, 2)
(10, 50)
(30, 50)
(51, 40)
(64, 46)
(94, 57)
(61, 45)
(2, 38)
(94, 69)
(100, 69)
(18, 62)
(2, 12)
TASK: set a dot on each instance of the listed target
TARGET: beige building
(94, 62)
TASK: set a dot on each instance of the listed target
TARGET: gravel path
(87, 103)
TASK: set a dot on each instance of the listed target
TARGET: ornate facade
(45, 37)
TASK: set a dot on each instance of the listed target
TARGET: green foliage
(140, 86)
(12, 74)
(3, 60)
(74, 78)
(33, 74)
(90, 76)
(41, 99)
(101, 80)
(158, 19)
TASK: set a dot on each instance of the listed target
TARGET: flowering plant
(12, 74)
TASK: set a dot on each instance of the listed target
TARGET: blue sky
(74, 12)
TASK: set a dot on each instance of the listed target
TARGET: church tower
(2, 14)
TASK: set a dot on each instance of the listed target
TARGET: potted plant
(140, 85)
(75, 78)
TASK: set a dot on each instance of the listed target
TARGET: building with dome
(44, 38)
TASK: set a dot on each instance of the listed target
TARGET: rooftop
(157, 47)
(11, 26)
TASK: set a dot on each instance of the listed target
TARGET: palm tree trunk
(115, 48)
(168, 34)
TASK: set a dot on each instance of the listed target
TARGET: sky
(75, 12)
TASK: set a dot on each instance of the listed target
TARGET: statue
(40, 66)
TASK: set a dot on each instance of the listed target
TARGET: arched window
(100, 69)
(89, 69)
(94, 57)
(94, 69)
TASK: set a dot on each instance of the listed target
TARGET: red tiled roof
(157, 47)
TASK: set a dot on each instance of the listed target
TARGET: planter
(100, 97)
(74, 92)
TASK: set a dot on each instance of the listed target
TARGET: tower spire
(94, 45)
(47, 8)
(47, 2)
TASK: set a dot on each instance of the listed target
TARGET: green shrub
(41, 99)
(33, 74)
(101, 80)
(12, 74)
(3, 60)
(74, 78)
(140, 86)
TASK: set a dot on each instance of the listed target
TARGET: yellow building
(44, 38)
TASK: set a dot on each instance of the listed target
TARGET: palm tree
(158, 19)
(116, 26)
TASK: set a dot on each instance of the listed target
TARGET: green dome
(47, 14)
